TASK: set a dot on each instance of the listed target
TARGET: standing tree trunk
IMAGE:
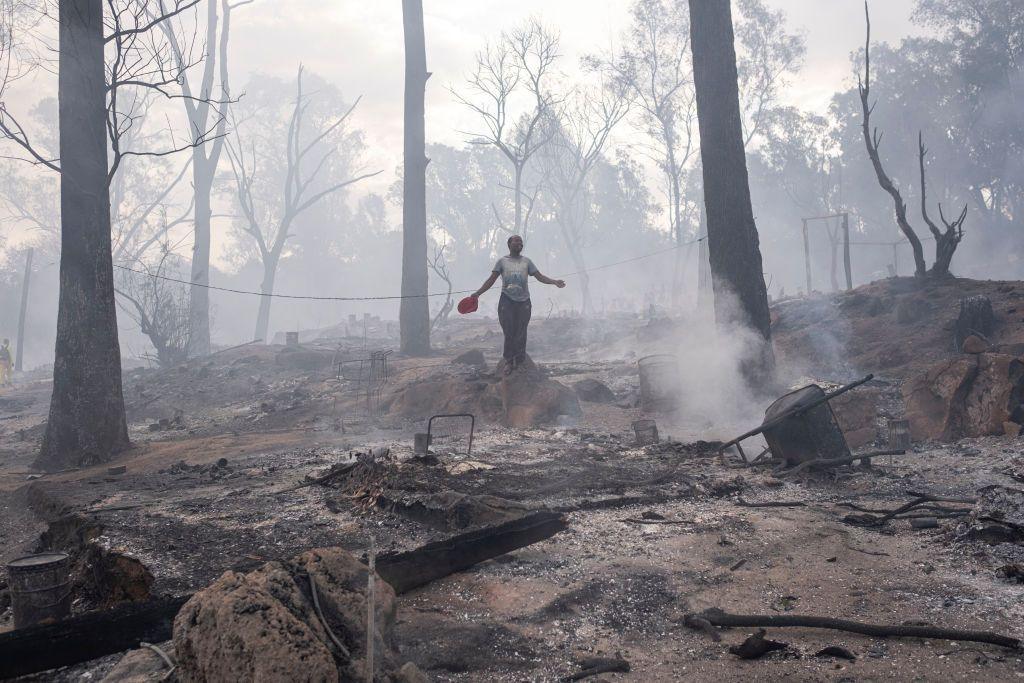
(414, 311)
(87, 421)
(267, 289)
(199, 292)
(736, 272)
(23, 313)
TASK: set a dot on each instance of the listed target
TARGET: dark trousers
(514, 317)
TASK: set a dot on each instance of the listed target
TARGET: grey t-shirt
(515, 274)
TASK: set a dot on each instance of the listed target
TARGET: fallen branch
(771, 504)
(86, 636)
(598, 665)
(835, 462)
(717, 617)
(415, 568)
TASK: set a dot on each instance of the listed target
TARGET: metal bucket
(421, 443)
(659, 383)
(899, 435)
(646, 432)
(40, 589)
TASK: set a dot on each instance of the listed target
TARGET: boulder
(974, 344)
(934, 400)
(594, 391)
(474, 357)
(262, 626)
(140, 666)
(531, 399)
(966, 397)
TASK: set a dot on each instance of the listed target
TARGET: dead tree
(578, 145)
(87, 422)
(440, 268)
(737, 274)
(872, 139)
(23, 311)
(414, 311)
(947, 240)
(271, 225)
(199, 102)
(159, 305)
(656, 70)
(521, 63)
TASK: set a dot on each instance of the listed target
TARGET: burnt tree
(947, 240)
(200, 108)
(414, 312)
(741, 297)
(87, 421)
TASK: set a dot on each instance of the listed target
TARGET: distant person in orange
(514, 307)
(5, 363)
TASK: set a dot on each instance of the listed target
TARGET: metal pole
(846, 250)
(24, 310)
(807, 256)
(896, 258)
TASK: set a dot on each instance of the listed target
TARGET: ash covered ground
(228, 449)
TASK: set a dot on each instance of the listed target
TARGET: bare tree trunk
(735, 255)
(586, 301)
(87, 420)
(704, 293)
(18, 355)
(199, 292)
(414, 312)
(267, 288)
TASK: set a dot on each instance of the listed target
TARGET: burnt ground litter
(228, 450)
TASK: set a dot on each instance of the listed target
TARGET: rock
(974, 344)
(934, 400)
(262, 625)
(594, 391)
(410, 673)
(140, 666)
(474, 357)
(530, 399)
(1012, 429)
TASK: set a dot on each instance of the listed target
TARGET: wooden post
(846, 250)
(807, 256)
(24, 310)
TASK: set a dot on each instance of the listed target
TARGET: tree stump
(976, 318)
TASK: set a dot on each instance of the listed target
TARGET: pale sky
(359, 47)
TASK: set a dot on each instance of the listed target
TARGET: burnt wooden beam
(87, 636)
(415, 568)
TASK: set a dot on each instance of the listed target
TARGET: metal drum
(659, 383)
(40, 588)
